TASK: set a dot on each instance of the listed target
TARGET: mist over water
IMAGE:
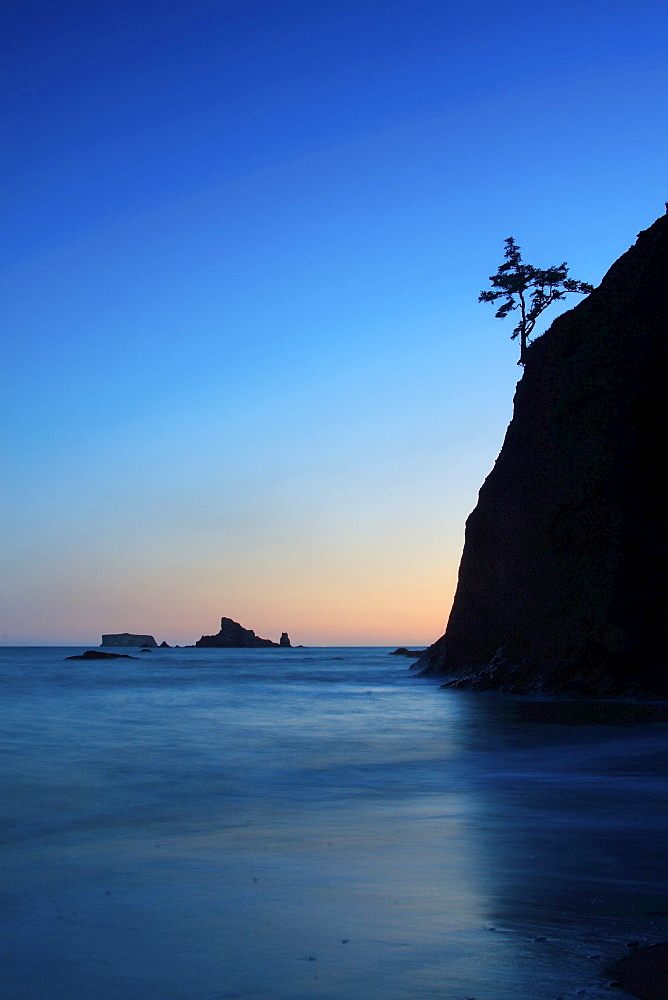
(314, 823)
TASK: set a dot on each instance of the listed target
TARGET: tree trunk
(523, 347)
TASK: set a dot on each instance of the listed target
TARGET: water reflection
(570, 822)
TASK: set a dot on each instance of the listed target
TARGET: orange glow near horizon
(406, 609)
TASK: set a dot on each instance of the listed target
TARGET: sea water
(315, 823)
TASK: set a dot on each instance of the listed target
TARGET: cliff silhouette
(562, 582)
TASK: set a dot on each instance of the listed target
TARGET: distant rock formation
(165, 645)
(97, 654)
(402, 651)
(127, 639)
(562, 583)
(232, 635)
(284, 640)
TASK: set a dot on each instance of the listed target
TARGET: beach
(294, 824)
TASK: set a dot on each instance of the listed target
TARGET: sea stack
(128, 639)
(232, 635)
(562, 582)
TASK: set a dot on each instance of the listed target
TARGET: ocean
(316, 824)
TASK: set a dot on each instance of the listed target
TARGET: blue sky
(245, 371)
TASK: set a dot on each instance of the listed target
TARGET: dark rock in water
(128, 639)
(165, 645)
(284, 640)
(232, 635)
(562, 583)
(144, 650)
(97, 654)
(644, 974)
(402, 651)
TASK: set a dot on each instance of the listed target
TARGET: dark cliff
(562, 583)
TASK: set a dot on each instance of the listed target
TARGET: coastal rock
(562, 582)
(644, 973)
(165, 645)
(128, 639)
(232, 635)
(97, 654)
(284, 640)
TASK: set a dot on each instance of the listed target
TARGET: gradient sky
(244, 370)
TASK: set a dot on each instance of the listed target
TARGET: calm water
(317, 823)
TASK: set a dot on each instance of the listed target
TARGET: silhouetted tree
(528, 289)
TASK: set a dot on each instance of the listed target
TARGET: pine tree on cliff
(515, 280)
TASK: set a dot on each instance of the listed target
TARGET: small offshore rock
(96, 654)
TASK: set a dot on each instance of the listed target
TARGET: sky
(244, 369)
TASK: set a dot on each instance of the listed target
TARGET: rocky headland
(232, 635)
(562, 582)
